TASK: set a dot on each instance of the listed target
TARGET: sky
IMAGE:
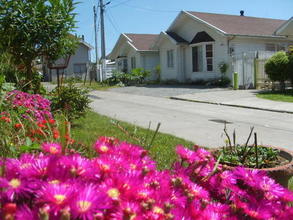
(154, 16)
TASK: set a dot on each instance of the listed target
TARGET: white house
(135, 51)
(195, 43)
(78, 65)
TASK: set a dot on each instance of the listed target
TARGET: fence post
(255, 73)
(235, 81)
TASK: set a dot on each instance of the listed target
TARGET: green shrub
(277, 68)
(70, 100)
(224, 81)
(290, 68)
(137, 76)
(223, 67)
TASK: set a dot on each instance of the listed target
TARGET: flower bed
(123, 183)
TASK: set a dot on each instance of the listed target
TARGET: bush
(223, 67)
(290, 68)
(72, 101)
(224, 81)
(137, 76)
(277, 68)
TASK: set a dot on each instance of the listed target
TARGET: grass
(97, 86)
(286, 96)
(86, 130)
(291, 184)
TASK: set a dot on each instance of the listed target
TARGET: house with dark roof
(135, 51)
(196, 43)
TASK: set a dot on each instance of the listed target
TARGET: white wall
(81, 56)
(168, 73)
(242, 44)
(149, 61)
(187, 30)
(133, 53)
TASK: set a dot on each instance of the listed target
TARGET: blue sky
(153, 16)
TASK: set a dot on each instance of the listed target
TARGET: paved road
(165, 90)
(196, 122)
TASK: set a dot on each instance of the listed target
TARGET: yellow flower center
(59, 198)
(15, 183)
(105, 167)
(113, 193)
(104, 149)
(53, 150)
(84, 205)
(158, 210)
(132, 166)
(54, 182)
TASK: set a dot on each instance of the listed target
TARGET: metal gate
(250, 68)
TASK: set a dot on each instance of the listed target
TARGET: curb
(232, 105)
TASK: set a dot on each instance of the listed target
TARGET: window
(281, 47)
(170, 58)
(197, 63)
(79, 68)
(133, 62)
(270, 47)
(209, 57)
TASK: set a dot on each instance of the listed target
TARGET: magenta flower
(88, 202)
(56, 195)
(52, 148)
(24, 212)
(15, 188)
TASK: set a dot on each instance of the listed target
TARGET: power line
(150, 9)
(112, 21)
(123, 2)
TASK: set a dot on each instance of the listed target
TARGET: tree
(290, 68)
(36, 28)
(277, 68)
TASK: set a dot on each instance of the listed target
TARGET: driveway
(164, 90)
(197, 122)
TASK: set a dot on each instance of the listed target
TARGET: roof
(86, 44)
(286, 28)
(240, 25)
(176, 37)
(202, 37)
(142, 42)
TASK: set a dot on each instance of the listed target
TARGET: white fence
(250, 67)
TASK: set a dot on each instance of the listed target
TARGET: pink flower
(57, 196)
(15, 188)
(88, 202)
(52, 148)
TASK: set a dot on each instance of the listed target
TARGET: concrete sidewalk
(239, 98)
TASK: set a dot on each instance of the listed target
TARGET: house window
(79, 68)
(170, 58)
(197, 62)
(281, 47)
(270, 47)
(133, 62)
(209, 57)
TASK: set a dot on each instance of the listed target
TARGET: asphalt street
(197, 122)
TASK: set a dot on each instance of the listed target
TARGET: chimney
(241, 13)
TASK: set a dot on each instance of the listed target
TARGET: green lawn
(286, 96)
(97, 86)
(89, 128)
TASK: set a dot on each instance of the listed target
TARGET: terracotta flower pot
(280, 174)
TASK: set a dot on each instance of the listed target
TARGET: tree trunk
(282, 86)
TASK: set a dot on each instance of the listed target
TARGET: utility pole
(103, 44)
(98, 73)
